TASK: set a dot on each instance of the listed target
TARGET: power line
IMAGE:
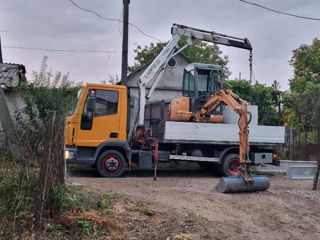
(276, 11)
(120, 23)
(112, 19)
(62, 50)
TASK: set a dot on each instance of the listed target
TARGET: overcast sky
(58, 24)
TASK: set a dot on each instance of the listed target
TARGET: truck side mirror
(91, 103)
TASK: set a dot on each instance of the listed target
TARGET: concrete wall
(14, 103)
(10, 103)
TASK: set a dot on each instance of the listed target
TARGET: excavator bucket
(237, 184)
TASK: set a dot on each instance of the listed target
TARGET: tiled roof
(10, 74)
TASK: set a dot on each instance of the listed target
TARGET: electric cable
(62, 50)
(280, 12)
(113, 19)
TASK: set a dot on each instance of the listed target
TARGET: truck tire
(111, 163)
(230, 165)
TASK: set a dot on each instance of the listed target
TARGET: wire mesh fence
(28, 182)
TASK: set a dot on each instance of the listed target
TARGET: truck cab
(97, 125)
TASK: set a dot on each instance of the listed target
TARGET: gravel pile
(313, 195)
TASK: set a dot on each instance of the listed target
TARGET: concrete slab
(301, 172)
(285, 165)
(270, 168)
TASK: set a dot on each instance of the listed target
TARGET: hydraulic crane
(154, 73)
(156, 68)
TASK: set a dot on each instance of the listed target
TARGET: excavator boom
(245, 181)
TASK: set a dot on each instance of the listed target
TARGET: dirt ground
(186, 203)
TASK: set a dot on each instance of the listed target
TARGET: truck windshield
(76, 104)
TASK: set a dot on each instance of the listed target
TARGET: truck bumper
(70, 154)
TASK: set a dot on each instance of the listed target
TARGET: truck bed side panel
(190, 132)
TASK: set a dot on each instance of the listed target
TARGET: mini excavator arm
(232, 100)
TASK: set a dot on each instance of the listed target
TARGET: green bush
(65, 197)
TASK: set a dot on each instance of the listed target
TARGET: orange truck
(189, 128)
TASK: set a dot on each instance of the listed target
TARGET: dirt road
(288, 210)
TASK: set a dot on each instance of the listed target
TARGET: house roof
(146, 65)
(10, 74)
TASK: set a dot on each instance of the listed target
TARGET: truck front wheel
(111, 163)
(230, 165)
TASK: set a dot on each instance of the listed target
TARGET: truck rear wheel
(230, 165)
(111, 163)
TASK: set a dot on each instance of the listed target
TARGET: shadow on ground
(75, 170)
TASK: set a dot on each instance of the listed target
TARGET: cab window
(188, 84)
(106, 103)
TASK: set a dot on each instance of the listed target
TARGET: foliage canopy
(198, 51)
(48, 92)
(302, 104)
(267, 98)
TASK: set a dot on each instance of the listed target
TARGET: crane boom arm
(154, 70)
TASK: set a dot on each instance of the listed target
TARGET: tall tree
(306, 64)
(198, 51)
(303, 103)
(268, 99)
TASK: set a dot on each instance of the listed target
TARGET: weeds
(86, 226)
(147, 211)
(17, 189)
(65, 197)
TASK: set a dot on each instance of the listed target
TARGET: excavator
(180, 110)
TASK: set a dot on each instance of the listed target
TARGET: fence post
(316, 176)
(47, 165)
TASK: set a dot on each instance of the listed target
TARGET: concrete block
(269, 168)
(231, 117)
(286, 164)
(301, 172)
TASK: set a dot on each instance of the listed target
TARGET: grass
(17, 191)
(147, 211)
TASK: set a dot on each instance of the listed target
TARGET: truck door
(102, 122)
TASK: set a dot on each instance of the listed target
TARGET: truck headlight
(68, 154)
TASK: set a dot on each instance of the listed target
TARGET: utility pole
(124, 65)
(1, 60)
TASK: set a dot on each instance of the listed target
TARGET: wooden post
(316, 176)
